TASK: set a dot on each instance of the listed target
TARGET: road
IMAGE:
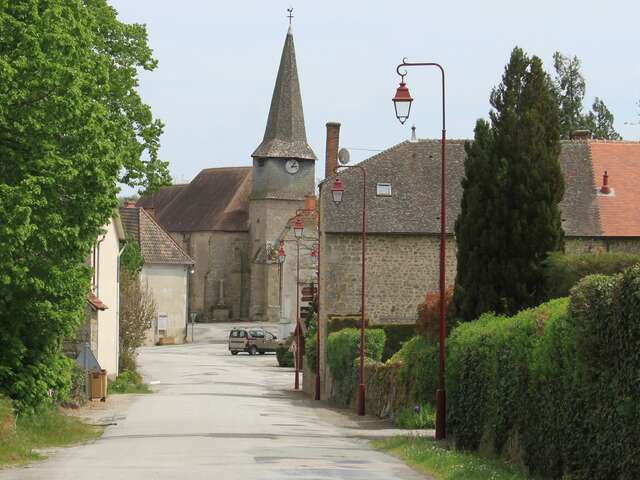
(226, 417)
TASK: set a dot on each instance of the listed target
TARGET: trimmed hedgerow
(343, 350)
(556, 387)
(562, 271)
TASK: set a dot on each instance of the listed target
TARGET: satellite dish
(343, 156)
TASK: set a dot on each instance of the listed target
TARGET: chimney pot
(333, 144)
(605, 189)
(310, 202)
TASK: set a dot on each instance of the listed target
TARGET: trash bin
(98, 383)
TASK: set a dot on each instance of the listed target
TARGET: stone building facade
(403, 241)
(231, 220)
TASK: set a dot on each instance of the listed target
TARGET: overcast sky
(219, 59)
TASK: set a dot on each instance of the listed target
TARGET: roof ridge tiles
(153, 220)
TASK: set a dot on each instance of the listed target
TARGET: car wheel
(261, 352)
(253, 350)
(233, 352)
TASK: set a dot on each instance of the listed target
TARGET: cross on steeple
(290, 10)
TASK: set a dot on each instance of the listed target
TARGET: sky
(218, 62)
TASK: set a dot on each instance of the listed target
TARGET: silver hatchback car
(252, 340)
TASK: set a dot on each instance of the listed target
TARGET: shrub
(344, 347)
(396, 336)
(416, 417)
(428, 324)
(562, 272)
(419, 372)
(128, 382)
(127, 361)
(310, 343)
(556, 387)
(337, 323)
(285, 357)
(343, 350)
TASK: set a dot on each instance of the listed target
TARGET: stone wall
(218, 256)
(400, 270)
(602, 244)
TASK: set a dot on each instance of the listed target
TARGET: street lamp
(402, 103)
(337, 191)
(298, 227)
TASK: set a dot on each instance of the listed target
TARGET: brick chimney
(333, 144)
(310, 202)
(605, 189)
(581, 135)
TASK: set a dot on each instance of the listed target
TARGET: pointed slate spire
(285, 135)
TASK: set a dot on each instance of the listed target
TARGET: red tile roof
(619, 211)
(95, 302)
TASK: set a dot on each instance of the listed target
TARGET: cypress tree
(510, 219)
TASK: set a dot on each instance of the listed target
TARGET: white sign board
(163, 321)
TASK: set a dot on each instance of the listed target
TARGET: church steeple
(285, 135)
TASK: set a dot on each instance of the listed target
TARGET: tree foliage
(513, 184)
(600, 122)
(137, 311)
(72, 125)
(569, 88)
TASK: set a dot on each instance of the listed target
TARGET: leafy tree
(137, 311)
(569, 89)
(513, 184)
(72, 125)
(131, 259)
(600, 121)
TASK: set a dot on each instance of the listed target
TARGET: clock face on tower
(292, 166)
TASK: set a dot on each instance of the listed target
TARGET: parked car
(252, 340)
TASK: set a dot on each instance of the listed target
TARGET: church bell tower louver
(283, 176)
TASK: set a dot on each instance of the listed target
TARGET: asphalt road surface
(217, 416)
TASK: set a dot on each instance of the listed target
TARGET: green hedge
(285, 357)
(343, 351)
(562, 272)
(396, 335)
(556, 387)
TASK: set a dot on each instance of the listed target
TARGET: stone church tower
(283, 176)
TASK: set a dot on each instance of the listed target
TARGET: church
(233, 221)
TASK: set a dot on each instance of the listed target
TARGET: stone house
(230, 220)
(101, 330)
(403, 220)
(165, 272)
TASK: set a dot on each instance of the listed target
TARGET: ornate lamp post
(337, 193)
(402, 103)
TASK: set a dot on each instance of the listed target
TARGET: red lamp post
(337, 193)
(402, 103)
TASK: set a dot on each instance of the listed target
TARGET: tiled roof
(413, 169)
(285, 135)
(156, 245)
(619, 211)
(95, 302)
(161, 198)
(216, 200)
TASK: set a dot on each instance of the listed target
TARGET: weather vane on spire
(290, 10)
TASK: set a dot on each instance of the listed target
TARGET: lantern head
(337, 190)
(298, 227)
(402, 102)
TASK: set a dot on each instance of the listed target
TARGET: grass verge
(128, 382)
(418, 417)
(433, 459)
(19, 438)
